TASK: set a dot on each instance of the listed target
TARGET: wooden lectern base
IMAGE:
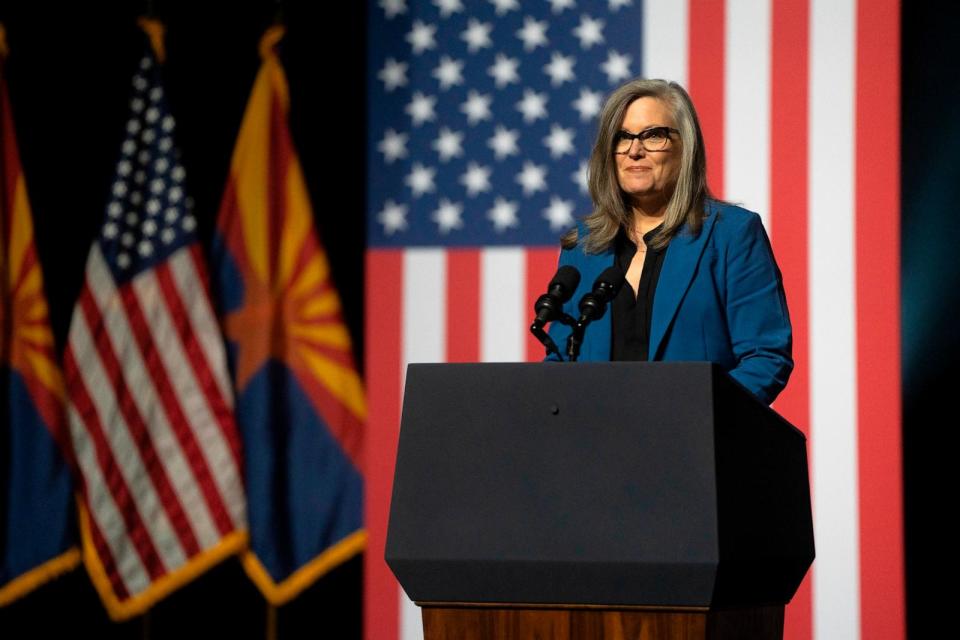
(463, 622)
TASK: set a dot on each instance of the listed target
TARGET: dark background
(69, 71)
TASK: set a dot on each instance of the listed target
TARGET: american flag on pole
(480, 122)
(150, 407)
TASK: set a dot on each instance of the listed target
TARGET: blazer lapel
(679, 266)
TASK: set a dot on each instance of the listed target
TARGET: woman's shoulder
(730, 214)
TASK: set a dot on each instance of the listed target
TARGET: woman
(701, 280)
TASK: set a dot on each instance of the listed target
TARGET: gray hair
(612, 209)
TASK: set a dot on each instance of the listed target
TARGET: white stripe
(116, 433)
(665, 40)
(202, 319)
(200, 420)
(424, 340)
(103, 509)
(747, 107)
(503, 315)
(833, 374)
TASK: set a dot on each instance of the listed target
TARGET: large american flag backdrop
(481, 118)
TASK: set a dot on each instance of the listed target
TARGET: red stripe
(788, 204)
(136, 533)
(180, 426)
(878, 322)
(463, 305)
(221, 413)
(705, 80)
(384, 337)
(106, 557)
(278, 164)
(541, 265)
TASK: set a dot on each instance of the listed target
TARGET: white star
(137, 104)
(533, 106)
(533, 34)
(136, 198)
(127, 239)
(129, 146)
(188, 222)
(449, 72)
(477, 107)
(476, 179)
(123, 260)
(393, 146)
(153, 206)
(420, 179)
(148, 136)
(177, 174)
(139, 176)
(132, 218)
(421, 36)
(477, 35)
(155, 94)
(588, 104)
(139, 82)
(168, 235)
(145, 63)
(559, 213)
(171, 214)
(123, 167)
(161, 165)
(504, 70)
(152, 114)
(165, 142)
(149, 227)
(504, 142)
(393, 217)
(143, 157)
(157, 186)
(503, 6)
(114, 209)
(393, 8)
(393, 74)
(589, 31)
(447, 216)
(420, 108)
(560, 69)
(532, 178)
(616, 4)
(579, 177)
(449, 144)
(560, 141)
(119, 188)
(110, 230)
(174, 194)
(503, 215)
(145, 248)
(617, 67)
(557, 6)
(167, 124)
(448, 7)
(133, 126)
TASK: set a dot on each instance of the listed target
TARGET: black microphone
(549, 306)
(593, 305)
(605, 288)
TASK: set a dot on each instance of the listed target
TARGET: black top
(631, 316)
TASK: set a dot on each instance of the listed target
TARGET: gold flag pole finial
(269, 40)
(154, 30)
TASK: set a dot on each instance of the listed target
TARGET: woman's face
(648, 177)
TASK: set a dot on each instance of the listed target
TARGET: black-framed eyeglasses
(652, 139)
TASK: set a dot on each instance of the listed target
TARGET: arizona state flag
(299, 399)
(37, 526)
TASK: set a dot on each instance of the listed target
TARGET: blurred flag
(37, 526)
(150, 406)
(300, 402)
(480, 124)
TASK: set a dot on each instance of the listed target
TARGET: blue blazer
(719, 298)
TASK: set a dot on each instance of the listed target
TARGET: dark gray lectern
(596, 500)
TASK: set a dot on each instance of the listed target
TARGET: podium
(596, 500)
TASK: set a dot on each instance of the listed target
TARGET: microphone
(605, 288)
(593, 305)
(549, 306)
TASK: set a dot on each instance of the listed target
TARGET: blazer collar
(679, 265)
